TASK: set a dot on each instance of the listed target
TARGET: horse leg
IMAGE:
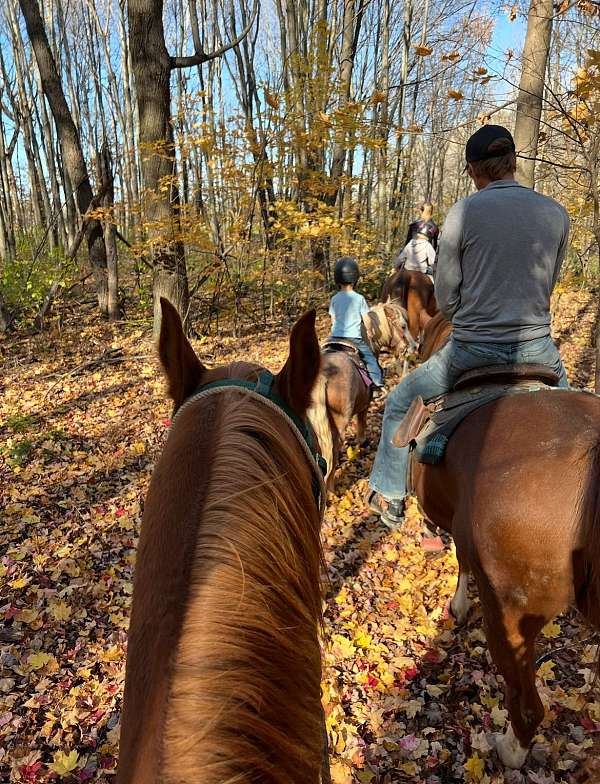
(361, 425)
(511, 635)
(460, 604)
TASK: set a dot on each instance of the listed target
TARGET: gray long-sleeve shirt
(499, 256)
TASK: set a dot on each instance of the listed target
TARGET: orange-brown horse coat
(223, 666)
(519, 490)
(341, 392)
(413, 290)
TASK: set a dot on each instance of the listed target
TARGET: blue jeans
(436, 377)
(373, 367)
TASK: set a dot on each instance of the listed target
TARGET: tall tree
(70, 143)
(531, 87)
(152, 66)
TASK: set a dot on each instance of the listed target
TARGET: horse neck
(241, 698)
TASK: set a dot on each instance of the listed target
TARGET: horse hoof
(459, 611)
(510, 751)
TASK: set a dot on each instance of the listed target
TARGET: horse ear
(297, 377)
(182, 367)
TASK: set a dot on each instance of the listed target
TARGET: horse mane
(241, 701)
(386, 325)
(320, 420)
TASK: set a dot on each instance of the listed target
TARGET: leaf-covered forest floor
(408, 696)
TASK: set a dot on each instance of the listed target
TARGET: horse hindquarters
(511, 485)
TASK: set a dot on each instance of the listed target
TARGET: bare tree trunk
(106, 184)
(384, 85)
(72, 153)
(398, 185)
(531, 88)
(152, 75)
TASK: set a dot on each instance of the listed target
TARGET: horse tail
(588, 599)
(318, 417)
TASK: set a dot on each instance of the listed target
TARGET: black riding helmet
(346, 271)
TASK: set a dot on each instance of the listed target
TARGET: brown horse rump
(427, 428)
(333, 344)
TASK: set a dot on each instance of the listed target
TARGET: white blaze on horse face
(510, 751)
(460, 603)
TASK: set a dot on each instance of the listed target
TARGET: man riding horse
(499, 257)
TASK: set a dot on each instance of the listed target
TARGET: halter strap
(262, 390)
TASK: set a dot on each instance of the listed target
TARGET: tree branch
(203, 57)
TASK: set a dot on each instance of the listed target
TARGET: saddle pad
(448, 411)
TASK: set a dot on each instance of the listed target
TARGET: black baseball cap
(477, 148)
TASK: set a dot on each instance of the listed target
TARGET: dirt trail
(408, 696)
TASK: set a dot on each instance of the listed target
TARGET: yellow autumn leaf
(452, 57)
(363, 640)
(551, 630)
(340, 774)
(352, 452)
(64, 763)
(38, 660)
(456, 94)
(20, 582)
(388, 679)
(423, 51)
(474, 768)
(60, 611)
(342, 646)
(546, 671)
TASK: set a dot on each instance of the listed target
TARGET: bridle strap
(262, 392)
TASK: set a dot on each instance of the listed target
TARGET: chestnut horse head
(223, 665)
(413, 290)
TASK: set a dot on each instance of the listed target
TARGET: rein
(262, 390)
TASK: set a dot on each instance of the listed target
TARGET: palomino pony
(413, 290)
(223, 665)
(341, 392)
(519, 490)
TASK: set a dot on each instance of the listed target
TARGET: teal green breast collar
(263, 387)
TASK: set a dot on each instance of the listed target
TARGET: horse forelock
(379, 333)
(397, 318)
(244, 690)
